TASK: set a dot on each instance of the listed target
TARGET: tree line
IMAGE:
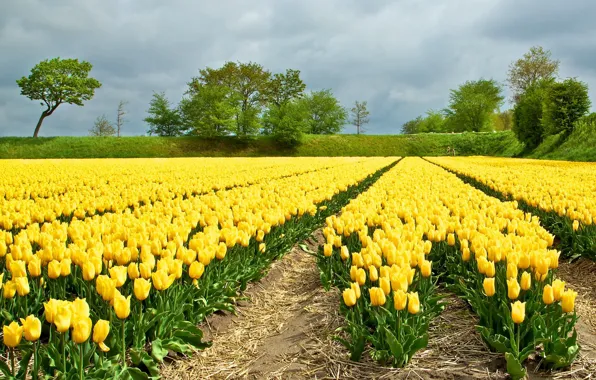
(238, 99)
(543, 104)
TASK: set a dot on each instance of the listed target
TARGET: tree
(503, 121)
(325, 114)
(58, 81)
(102, 127)
(248, 83)
(359, 116)
(163, 120)
(433, 122)
(412, 126)
(536, 65)
(564, 103)
(471, 105)
(120, 116)
(283, 88)
(287, 122)
(208, 110)
(527, 114)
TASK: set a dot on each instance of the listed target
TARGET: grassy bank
(579, 146)
(490, 144)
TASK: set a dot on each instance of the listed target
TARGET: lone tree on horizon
(58, 81)
(359, 116)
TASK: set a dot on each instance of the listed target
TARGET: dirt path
(286, 329)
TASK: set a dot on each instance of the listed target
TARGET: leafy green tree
(471, 105)
(412, 126)
(564, 103)
(288, 122)
(163, 120)
(283, 88)
(248, 84)
(360, 116)
(536, 65)
(527, 114)
(58, 81)
(502, 121)
(102, 127)
(433, 122)
(325, 114)
(208, 110)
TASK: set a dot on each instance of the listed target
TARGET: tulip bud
(349, 297)
(568, 300)
(526, 281)
(122, 306)
(142, 288)
(558, 288)
(518, 312)
(344, 253)
(88, 271)
(196, 270)
(65, 267)
(356, 288)
(385, 285)
(512, 288)
(327, 250)
(400, 299)
(425, 268)
(32, 328)
(373, 274)
(575, 225)
(451, 239)
(511, 270)
(413, 303)
(262, 247)
(361, 277)
(13, 334)
(34, 266)
(353, 272)
(100, 333)
(22, 285)
(547, 295)
(489, 286)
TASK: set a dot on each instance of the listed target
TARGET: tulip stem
(35, 369)
(63, 353)
(81, 362)
(123, 346)
(12, 359)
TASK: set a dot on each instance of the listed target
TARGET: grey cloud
(401, 56)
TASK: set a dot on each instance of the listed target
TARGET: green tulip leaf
(396, 348)
(514, 367)
(158, 352)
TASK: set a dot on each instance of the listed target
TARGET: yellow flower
(65, 267)
(526, 281)
(344, 253)
(80, 307)
(100, 333)
(327, 250)
(353, 272)
(558, 288)
(465, 254)
(62, 318)
(568, 300)
(373, 274)
(32, 328)
(13, 334)
(356, 288)
(385, 285)
(512, 288)
(413, 303)
(518, 312)
(133, 271)
(50, 310)
(349, 297)
(88, 271)
(34, 266)
(122, 306)
(142, 288)
(54, 269)
(575, 225)
(22, 285)
(81, 329)
(161, 280)
(425, 268)
(489, 286)
(10, 289)
(196, 270)
(377, 296)
(511, 270)
(361, 276)
(547, 295)
(400, 299)
(119, 275)
(451, 239)
(489, 270)
(17, 269)
(262, 247)
(145, 269)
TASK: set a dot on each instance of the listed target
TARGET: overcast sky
(401, 56)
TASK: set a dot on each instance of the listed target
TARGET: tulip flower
(119, 275)
(558, 289)
(100, 333)
(361, 277)
(526, 281)
(575, 225)
(425, 268)
(65, 267)
(518, 312)
(400, 299)
(262, 247)
(133, 271)
(142, 288)
(50, 310)
(349, 297)
(356, 288)
(34, 266)
(489, 286)
(377, 296)
(18, 269)
(513, 288)
(413, 303)
(81, 329)
(161, 280)
(547, 295)
(511, 270)
(54, 269)
(10, 289)
(62, 318)
(196, 270)
(13, 334)
(327, 250)
(353, 272)
(122, 306)
(32, 328)
(373, 274)
(22, 285)
(568, 300)
(88, 271)
(145, 270)
(80, 307)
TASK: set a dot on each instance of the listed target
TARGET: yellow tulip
(568, 300)
(511, 270)
(377, 296)
(575, 225)
(349, 297)
(88, 271)
(356, 288)
(373, 274)
(490, 270)
(50, 310)
(451, 239)
(118, 274)
(262, 247)
(357, 259)
(142, 288)
(13, 334)
(81, 329)
(54, 269)
(400, 299)
(558, 289)
(145, 270)
(526, 281)
(18, 269)
(327, 250)
(62, 318)
(34, 266)
(121, 306)
(32, 328)
(100, 333)
(353, 272)
(512, 288)
(80, 307)
(547, 295)
(413, 303)
(196, 270)
(22, 285)
(161, 280)
(344, 253)
(10, 289)
(361, 276)
(133, 271)
(465, 254)
(425, 268)
(518, 312)
(65, 265)
(489, 286)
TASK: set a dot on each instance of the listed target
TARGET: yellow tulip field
(108, 266)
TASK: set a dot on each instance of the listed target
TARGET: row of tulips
(151, 287)
(43, 191)
(562, 194)
(489, 252)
